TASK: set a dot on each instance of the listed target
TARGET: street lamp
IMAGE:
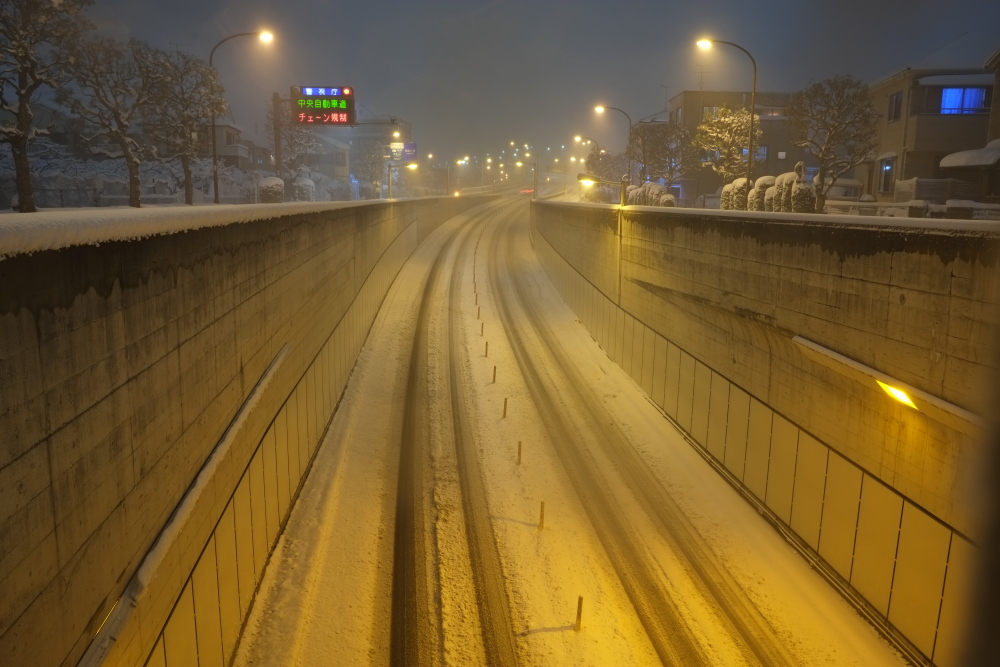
(411, 166)
(587, 180)
(706, 44)
(265, 37)
(600, 109)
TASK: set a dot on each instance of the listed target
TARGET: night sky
(472, 76)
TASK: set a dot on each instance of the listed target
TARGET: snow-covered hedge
(303, 189)
(271, 190)
(726, 198)
(738, 199)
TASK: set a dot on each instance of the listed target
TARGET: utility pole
(276, 100)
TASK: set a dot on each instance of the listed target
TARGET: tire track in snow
(411, 623)
(741, 618)
(491, 594)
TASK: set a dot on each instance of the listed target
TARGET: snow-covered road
(417, 539)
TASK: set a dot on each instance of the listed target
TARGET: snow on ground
(325, 598)
(814, 622)
(546, 570)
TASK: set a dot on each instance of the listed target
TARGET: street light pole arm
(625, 114)
(223, 41)
(753, 108)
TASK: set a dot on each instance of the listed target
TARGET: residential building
(231, 150)
(776, 151)
(981, 166)
(926, 115)
(332, 160)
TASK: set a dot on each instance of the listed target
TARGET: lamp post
(588, 180)
(600, 109)
(707, 44)
(411, 166)
(265, 37)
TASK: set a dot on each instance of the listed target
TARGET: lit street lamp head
(412, 165)
(599, 109)
(704, 43)
(266, 37)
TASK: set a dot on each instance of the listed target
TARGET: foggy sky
(472, 76)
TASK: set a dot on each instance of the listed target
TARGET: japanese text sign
(323, 105)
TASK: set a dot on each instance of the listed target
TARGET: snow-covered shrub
(726, 199)
(783, 196)
(803, 197)
(803, 192)
(667, 201)
(631, 195)
(303, 189)
(271, 190)
(769, 198)
(738, 200)
(760, 188)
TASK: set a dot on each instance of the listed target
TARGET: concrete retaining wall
(702, 309)
(121, 367)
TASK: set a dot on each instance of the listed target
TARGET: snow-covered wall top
(51, 230)
(931, 225)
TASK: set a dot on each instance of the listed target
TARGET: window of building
(771, 112)
(963, 100)
(230, 138)
(895, 106)
(709, 113)
(341, 159)
(887, 168)
(782, 155)
(677, 116)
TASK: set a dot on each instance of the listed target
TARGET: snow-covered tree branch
(36, 37)
(725, 140)
(115, 82)
(298, 142)
(178, 118)
(836, 121)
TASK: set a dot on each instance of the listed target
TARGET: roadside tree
(298, 142)
(836, 121)
(115, 83)
(370, 165)
(178, 119)
(36, 37)
(724, 139)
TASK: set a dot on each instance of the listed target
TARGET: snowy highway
(418, 537)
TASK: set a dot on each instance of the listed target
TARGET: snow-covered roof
(22, 233)
(977, 157)
(957, 80)
(886, 156)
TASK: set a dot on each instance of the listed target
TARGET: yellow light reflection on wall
(898, 394)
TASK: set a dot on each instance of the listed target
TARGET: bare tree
(178, 120)
(647, 145)
(115, 82)
(836, 121)
(724, 138)
(298, 142)
(370, 164)
(35, 37)
(607, 165)
(680, 156)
